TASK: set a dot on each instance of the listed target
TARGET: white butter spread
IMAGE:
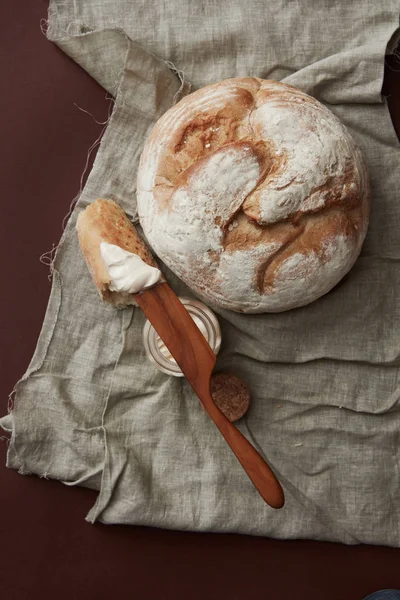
(127, 271)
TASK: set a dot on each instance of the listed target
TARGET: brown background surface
(47, 548)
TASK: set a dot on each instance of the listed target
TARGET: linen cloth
(324, 379)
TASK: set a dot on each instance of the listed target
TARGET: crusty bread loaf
(105, 221)
(254, 194)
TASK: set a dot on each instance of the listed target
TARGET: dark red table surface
(47, 548)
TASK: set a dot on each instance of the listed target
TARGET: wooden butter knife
(194, 356)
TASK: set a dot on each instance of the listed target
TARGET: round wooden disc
(230, 394)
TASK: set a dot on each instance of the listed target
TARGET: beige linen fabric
(91, 410)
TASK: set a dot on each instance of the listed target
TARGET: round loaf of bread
(254, 194)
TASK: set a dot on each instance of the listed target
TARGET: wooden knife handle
(257, 469)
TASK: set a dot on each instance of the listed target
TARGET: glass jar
(159, 354)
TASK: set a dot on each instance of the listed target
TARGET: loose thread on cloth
(11, 397)
(44, 25)
(75, 200)
(90, 114)
(23, 471)
(89, 153)
(182, 78)
(48, 257)
(119, 96)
